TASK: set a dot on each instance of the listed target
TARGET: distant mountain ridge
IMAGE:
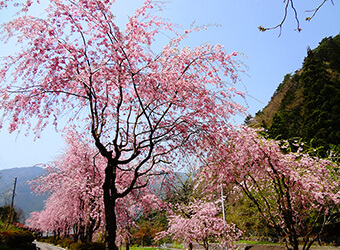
(24, 197)
(306, 105)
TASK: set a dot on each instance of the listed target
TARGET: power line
(3, 163)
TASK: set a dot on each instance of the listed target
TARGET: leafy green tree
(321, 106)
(329, 50)
(147, 228)
(248, 120)
(18, 214)
(242, 212)
(278, 129)
(310, 107)
(183, 189)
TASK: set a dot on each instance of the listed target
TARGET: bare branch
(295, 11)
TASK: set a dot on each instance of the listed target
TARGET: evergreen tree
(310, 107)
(321, 110)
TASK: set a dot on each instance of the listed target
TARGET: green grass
(138, 248)
(149, 248)
(250, 242)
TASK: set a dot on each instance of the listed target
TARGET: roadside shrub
(20, 239)
(87, 246)
(51, 240)
(66, 243)
(74, 246)
(3, 247)
(16, 238)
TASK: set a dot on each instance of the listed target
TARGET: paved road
(276, 247)
(45, 246)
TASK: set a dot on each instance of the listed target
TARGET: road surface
(277, 247)
(45, 246)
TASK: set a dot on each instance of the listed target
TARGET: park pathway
(45, 246)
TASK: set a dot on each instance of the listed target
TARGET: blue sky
(267, 56)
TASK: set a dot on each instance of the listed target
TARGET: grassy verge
(250, 242)
(152, 247)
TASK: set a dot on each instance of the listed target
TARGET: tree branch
(295, 11)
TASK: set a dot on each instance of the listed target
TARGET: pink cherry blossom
(140, 106)
(75, 205)
(200, 222)
(293, 192)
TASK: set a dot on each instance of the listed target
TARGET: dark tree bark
(110, 197)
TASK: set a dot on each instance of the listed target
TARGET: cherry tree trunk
(190, 246)
(127, 244)
(90, 229)
(296, 245)
(110, 197)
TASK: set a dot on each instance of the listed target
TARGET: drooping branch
(314, 11)
(295, 11)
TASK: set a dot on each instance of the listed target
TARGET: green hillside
(306, 105)
(24, 199)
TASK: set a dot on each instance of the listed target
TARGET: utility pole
(11, 208)
(222, 200)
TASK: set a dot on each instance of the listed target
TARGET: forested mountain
(306, 105)
(24, 199)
